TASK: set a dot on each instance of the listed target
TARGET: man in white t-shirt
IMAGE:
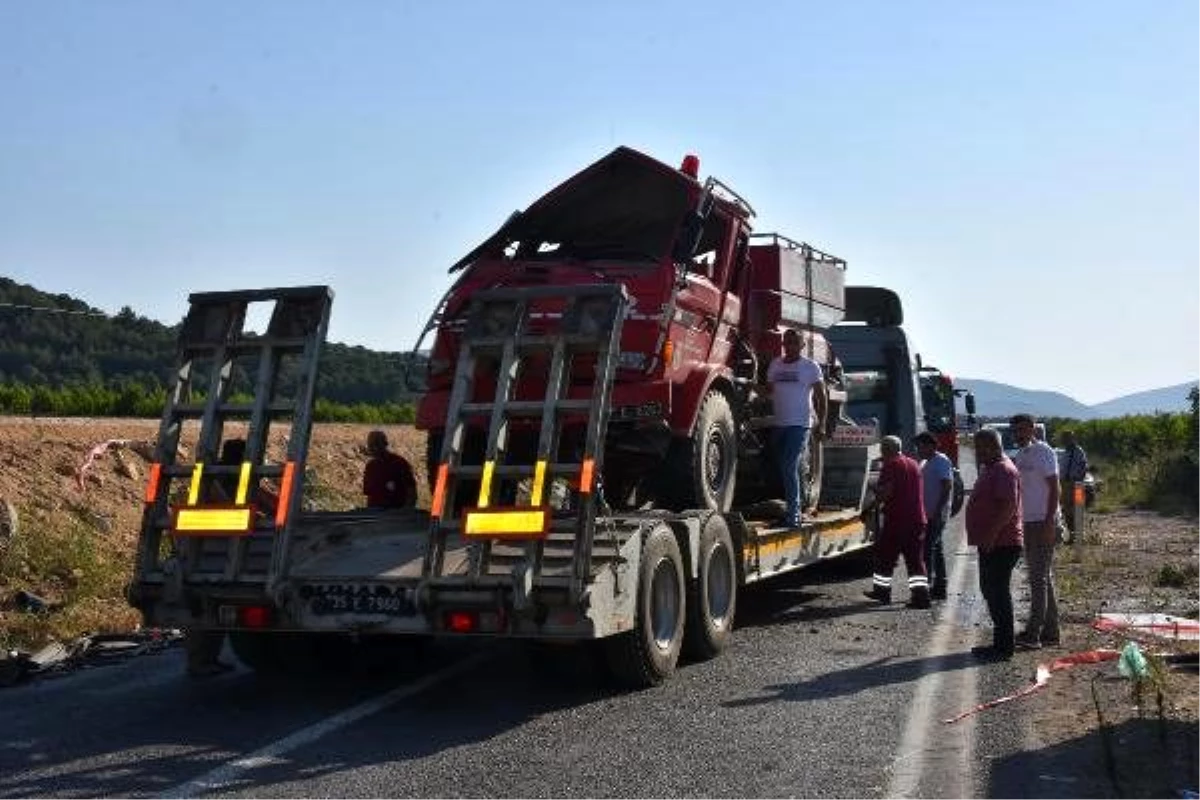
(797, 389)
(1039, 499)
(937, 487)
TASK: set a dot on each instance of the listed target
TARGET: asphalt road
(822, 694)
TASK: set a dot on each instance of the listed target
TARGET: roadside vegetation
(1146, 462)
(138, 401)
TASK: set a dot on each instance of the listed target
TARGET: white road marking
(273, 753)
(952, 749)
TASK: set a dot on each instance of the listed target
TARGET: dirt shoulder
(74, 540)
(1090, 735)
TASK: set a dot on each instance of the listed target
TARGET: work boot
(937, 593)
(919, 597)
(879, 595)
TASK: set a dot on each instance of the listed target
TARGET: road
(822, 694)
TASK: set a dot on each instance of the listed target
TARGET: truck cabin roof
(874, 306)
(626, 206)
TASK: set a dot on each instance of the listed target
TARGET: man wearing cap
(898, 492)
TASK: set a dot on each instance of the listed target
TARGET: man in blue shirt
(937, 479)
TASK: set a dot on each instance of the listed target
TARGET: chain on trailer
(209, 520)
(516, 531)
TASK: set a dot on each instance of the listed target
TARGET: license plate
(361, 599)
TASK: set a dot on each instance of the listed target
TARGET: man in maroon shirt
(899, 492)
(994, 526)
(388, 480)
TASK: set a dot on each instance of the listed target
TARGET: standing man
(388, 480)
(1074, 468)
(1038, 467)
(797, 389)
(899, 493)
(994, 527)
(937, 480)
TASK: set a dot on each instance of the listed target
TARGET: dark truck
(597, 447)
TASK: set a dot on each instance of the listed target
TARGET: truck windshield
(937, 396)
(867, 395)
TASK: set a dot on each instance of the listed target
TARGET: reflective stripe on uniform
(882, 580)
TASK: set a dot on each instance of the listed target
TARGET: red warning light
(691, 166)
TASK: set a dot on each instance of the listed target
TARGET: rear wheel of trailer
(712, 596)
(647, 654)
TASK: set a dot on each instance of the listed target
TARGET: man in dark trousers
(903, 532)
(388, 480)
(937, 476)
(994, 527)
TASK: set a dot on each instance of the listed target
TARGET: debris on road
(89, 650)
(1042, 677)
(1161, 625)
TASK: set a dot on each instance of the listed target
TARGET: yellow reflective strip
(231, 520)
(485, 485)
(243, 484)
(194, 489)
(539, 478)
(505, 523)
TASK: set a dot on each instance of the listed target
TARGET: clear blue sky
(1024, 174)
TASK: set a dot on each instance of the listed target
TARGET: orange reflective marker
(585, 475)
(285, 494)
(152, 482)
(439, 492)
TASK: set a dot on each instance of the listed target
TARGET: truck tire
(712, 597)
(813, 464)
(646, 655)
(704, 467)
(956, 498)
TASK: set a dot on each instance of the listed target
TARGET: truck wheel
(813, 465)
(644, 656)
(712, 598)
(956, 499)
(706, 465)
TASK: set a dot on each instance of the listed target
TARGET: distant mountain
(994, 399)
(1169, 399)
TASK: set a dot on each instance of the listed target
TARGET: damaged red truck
(709, 302)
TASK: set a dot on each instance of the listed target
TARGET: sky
(1026, 175)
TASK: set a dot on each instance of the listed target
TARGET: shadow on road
(1125, 760)
(91, 742)
(881, 672)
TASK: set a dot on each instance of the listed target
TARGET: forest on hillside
(58, 342)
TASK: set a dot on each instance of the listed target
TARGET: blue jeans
(789, 448)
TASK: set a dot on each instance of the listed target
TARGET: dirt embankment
(1096, 733)
(74, 542)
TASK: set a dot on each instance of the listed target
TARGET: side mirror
(969, 402)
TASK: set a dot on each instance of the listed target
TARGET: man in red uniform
(388, 480)
(899, 492)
